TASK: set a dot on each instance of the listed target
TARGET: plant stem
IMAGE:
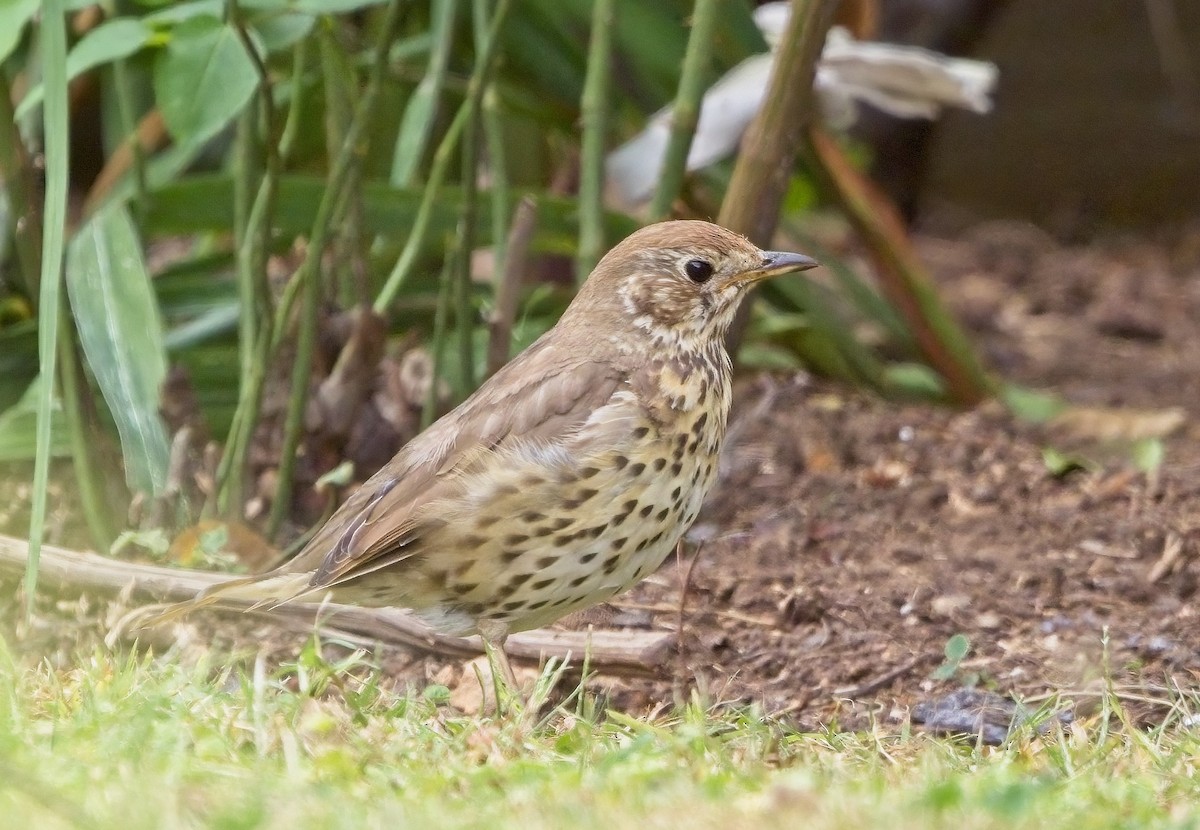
(56, 129)
(420, 226)
(493, 127)
(594, 114)
(348, 156)
(685, 112)
(768, 151)
(480, 78)
(508, 284)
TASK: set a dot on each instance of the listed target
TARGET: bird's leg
(494, 637)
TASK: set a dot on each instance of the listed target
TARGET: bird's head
(679, 282)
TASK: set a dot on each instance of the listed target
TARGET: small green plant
(956, 649)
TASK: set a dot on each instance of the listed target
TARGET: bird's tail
(247, 593)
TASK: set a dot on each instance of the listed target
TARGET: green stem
(56, 128)
(438, 340)
(685, 112)
(493, 128)
(594, 112)
(125, 110)
(349, 155)
(420, 226)
(480, 78)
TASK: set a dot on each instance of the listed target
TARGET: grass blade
(56, 128)
(595, 138)
(685, 112)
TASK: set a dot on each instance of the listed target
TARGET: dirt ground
(850, 538)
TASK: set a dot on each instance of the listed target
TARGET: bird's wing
(540, 399)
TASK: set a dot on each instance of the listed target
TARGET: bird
(569, 475)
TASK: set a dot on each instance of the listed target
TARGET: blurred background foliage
(298, 230)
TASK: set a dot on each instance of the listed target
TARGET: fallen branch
(613, 652)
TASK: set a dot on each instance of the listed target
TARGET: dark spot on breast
(532, 516)
(588, 472)
(646, 511)
(541, 584)
(593, 531)
(515, 539)
(675, 493)
(642, 545)
(629, 505)
(510, 556)
(700, 422)
(560, 523)
(542, 531)
(579, 580)
(513, 606)
(619, 519)
(541, 603)
(641, 432)
(439, 579)
(472, 540)
(676, 468)
(619, 543)
(656, 538)
(473, 608)
(462, 567)
(659, 463)
(620, 461)
(463, 588)
(588, 557)
(610, 564)
(560, 601)
(662, 514)
(547, 561)
(520, 579)
(563, 539)
(507, 490)
(637, 469)
(586, 494)
(486, 521)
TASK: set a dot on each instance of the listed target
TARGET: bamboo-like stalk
(594, 115)
(768, 151)
(124, 94)
(685, 112)
(493, 128)
(56, 127)
(508, 284)
(254, 294)
(902, 279)
(306, 275)
(480, 80)
(437, 340)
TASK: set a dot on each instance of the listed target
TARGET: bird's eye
(698, 270)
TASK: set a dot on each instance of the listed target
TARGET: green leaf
(14, 14)
(956, 648)
(1031, 404)
(279, 31)
(1059, 464)
(117, 38)
(914, 379)
(203, 79)
(18, 428)
(1148, 454)
(121, 334)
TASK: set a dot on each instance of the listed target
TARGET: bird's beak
(775, 263)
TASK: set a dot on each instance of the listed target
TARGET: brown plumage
(570, 474)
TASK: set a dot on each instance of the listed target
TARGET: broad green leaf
(108, 42)
(120, 330)
(179, 12)
(14, 14)
(203, 79)
(914, 379)
(279, 31)
(18, 428)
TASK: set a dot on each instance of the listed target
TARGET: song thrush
(570, 474)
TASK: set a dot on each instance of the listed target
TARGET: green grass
(109, 740)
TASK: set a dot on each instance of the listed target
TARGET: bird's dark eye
(698, 270)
